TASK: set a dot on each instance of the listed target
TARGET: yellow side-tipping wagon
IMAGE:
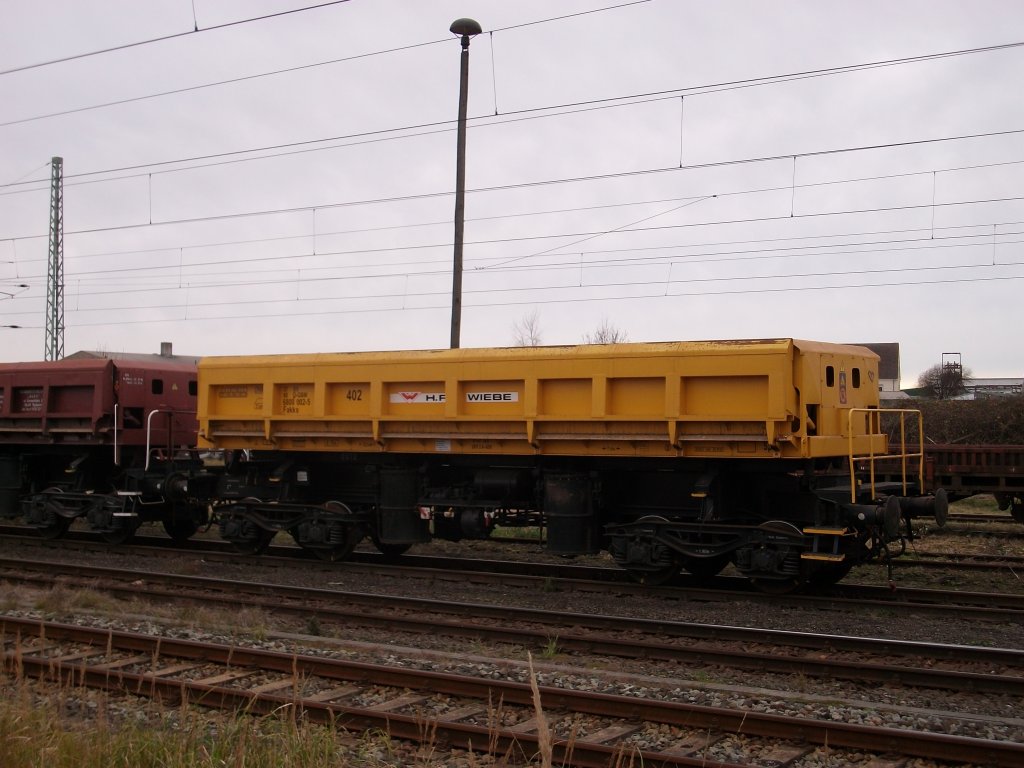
(671, 455)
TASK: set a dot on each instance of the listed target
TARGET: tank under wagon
(671, 456)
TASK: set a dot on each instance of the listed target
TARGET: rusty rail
(157, 683)
(605, 635)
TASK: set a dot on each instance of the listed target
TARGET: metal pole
(54, 348)
(466, 28)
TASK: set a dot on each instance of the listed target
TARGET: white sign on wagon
(492, 397)
(417, 397)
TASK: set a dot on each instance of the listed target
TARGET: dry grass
(66, 726)
(544, 744)
(63, 598)
(983, 503)
(74, 600)
(70, 728)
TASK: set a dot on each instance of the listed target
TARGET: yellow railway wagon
(777, 398)
(671, 456)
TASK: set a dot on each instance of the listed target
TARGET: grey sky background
(681, 170)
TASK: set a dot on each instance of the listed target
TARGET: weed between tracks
(62, 600)
(61, 597)
(70, 726)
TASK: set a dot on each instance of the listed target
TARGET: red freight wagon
(962, 471)
(97, 438)
(98, 401)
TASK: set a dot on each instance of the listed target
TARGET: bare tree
(605, 333)
(945, 380)
(526, 331)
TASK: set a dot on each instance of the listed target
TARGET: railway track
(157, 544)
(417, 705)
(964, 561)
(827, 657)
(534, 575)
(981, 517)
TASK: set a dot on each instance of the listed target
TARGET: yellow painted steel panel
(726, 395)
(761, 399)
(639, 396)
(348, 399)
(235, 399)
(293, 399)
(562, 398)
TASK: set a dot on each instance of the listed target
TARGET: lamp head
(465, 28)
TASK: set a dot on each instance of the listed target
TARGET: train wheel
(774, 564)
(122, 533)
(332, 554)
(245, 536)
(254, 543)
(54, 529)
(390, 550)
(332, 538)
(647, 560)
(51, 524)
(706, 567)
(180, 531)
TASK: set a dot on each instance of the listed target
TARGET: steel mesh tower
(55, 270)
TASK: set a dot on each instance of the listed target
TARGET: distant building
(888, 368)
(981, 388)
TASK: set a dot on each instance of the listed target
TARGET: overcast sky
(679, 170)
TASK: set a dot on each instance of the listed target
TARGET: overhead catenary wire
(196, 28)
(269, 73)
(696, 259)
(405, 294)
(587, 235)
(163, 38)
(533, 300)
(546, 212)
(529, 113)
(962, 202)
(690, 225)
(984, 239)
(572, 180)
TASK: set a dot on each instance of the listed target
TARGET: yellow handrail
(874, 425)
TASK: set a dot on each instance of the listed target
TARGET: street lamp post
(467, 28)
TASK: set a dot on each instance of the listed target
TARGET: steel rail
(981, 517)
(993, 606)
(140, 542)
(375, 610)
(981, 605)
(906, 742)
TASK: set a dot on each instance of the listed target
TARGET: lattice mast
(55, 270)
